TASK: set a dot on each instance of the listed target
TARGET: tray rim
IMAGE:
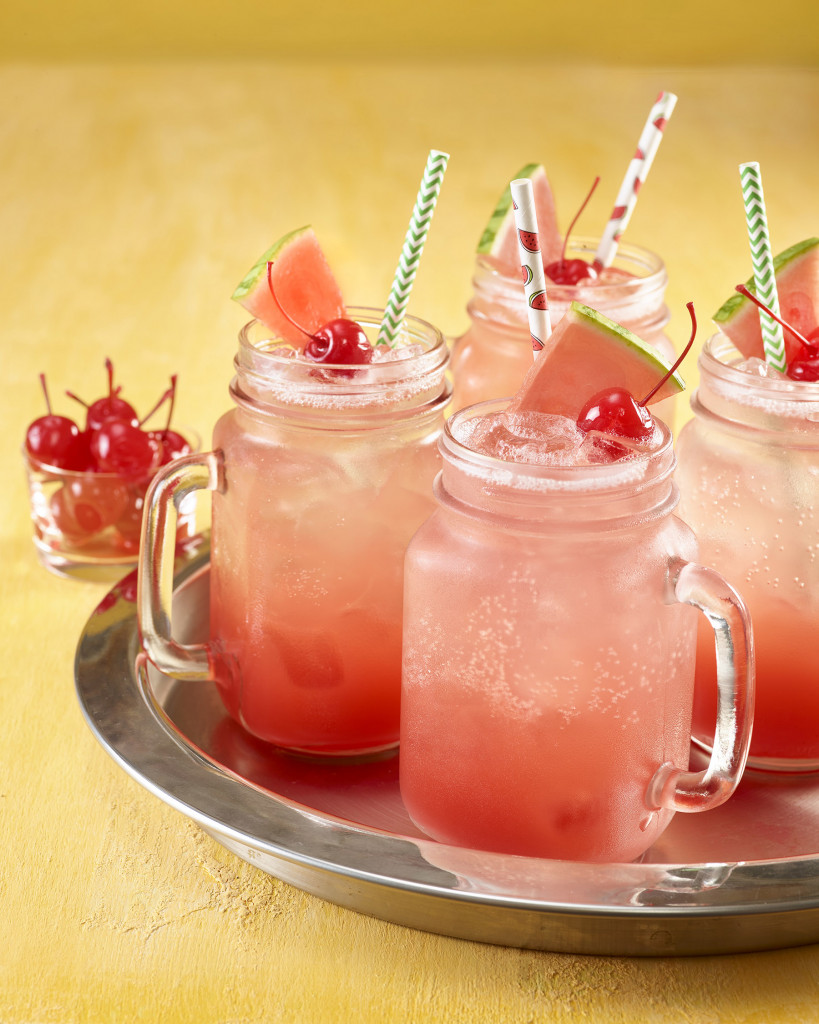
(169, 751)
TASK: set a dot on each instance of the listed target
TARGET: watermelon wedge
(585, 354)
(304, 286)
(500, 237)
(797, 285)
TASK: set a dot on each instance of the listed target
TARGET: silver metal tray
(743, 877)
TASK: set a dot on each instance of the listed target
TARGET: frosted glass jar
(320, 476)
(491, 359)
(549, 657)
(748, 474)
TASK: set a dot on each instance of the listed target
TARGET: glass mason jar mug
(320, 476)
(549, 657)
(491, 359)
(748, 475)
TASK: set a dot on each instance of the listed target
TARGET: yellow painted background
(629, 32)
(134, 193)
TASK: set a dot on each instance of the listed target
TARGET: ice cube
(280, 349)
(599, 447)
(759, 368)
(385, 354)
(539, 438)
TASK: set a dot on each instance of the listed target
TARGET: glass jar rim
(264, 361)
(605, 478)
(267, 381)
(637, 298)
(773, 396)
(629, 257)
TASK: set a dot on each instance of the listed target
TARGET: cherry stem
(165, 396)
(283, 311)
(77, 398)
(109, 366)
(750, 295)
(690, 307)
(45, 392)
(577, 218)
(173, 399)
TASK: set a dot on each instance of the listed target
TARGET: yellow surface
(132, 199)
(631, 32)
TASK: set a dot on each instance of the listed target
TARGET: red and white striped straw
(636, 174)
(534, 278)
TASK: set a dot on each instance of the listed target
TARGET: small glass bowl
(87, 525)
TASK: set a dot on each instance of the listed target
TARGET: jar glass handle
(680, 790)
(169, 488)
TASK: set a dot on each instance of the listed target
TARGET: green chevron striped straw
(773, 338)
(413, 246)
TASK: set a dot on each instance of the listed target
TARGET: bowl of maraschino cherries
(88, 476)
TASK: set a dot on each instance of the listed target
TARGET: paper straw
(773, 338)
(534, 279)
(425, 201)
(636, 174)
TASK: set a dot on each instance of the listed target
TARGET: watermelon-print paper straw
(773, 338)
(534, 279)
(636, 174)
(425, 201)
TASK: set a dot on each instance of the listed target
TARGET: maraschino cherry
(107, 465)
(341, 341)
(616, 411)
(565, 271)
(109, 407)
(806, 365)
(119, 447)
(122, 447)
(52, 439)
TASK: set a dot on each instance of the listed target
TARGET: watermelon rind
(251, 278)
(732, 306)
(499, 238)
(797, 285)
(304, 287)
(585, 354)
(504, 211)
(673, 386)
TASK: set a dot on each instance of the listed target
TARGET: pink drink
(323, 475)
(786, 730)
(548, 663)
(491, 359)
(749, 481)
